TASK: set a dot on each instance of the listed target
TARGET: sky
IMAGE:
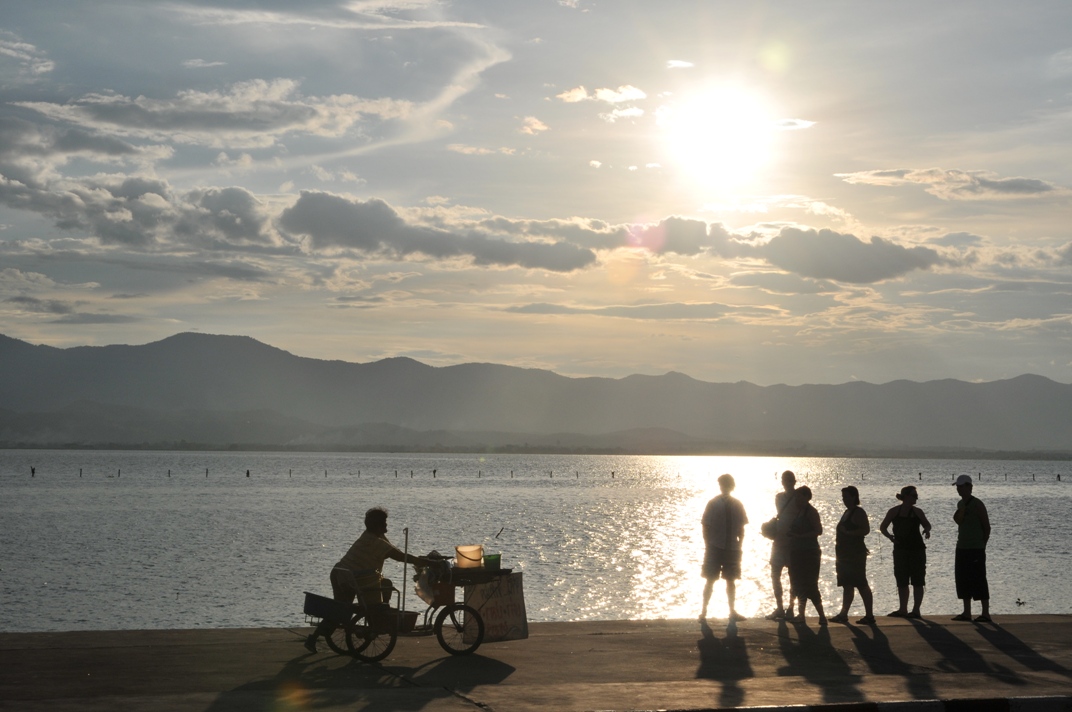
(766, 191)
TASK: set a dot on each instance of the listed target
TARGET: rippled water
(126, 545)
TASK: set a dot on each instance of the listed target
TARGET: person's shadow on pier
(813, 657)
(1020, 651)
(881, 660)
(958, 656)
(725, 660)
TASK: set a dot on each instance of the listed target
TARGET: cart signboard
(501, 603)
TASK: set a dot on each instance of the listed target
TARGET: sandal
(984, 619)
(866, 620)
(898, 614)
(963, 617)
(839, 618)
(914, 614)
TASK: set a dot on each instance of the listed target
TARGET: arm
(984, 521)
(886, 522)
(926, 523)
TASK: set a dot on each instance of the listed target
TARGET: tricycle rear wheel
(338, 641)
(369, 642)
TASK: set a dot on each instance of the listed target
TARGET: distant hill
(224, 390)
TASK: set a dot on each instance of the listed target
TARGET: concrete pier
(1019, 662)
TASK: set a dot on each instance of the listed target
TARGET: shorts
(779, 557)
(969, 570)
(910, 567)
(804, 573)
(722, 562)
(851, 570)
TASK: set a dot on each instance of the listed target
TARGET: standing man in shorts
(779, 556)
(973, 532)
(723, 531)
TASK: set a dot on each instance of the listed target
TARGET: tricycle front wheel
(459, 629)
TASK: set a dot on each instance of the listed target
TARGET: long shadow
(881, 660)
(812, 657)
(958, 656)
(310, 681)
(726, 660)
(1020, 651)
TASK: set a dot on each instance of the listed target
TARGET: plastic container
(492, 562)
(468, 556)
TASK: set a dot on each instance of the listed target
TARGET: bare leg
(868, 599)
(986, 607)
(731, 596)
(818, 603)
(917, 598)
(902, 597)
(848, 594)
(706, 597)
(776, 584)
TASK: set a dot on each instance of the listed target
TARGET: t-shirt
(720, 532)
(970, 531)
(369, 552)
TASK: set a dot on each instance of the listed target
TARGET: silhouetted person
(973, 532)
(851, 557)
(909, 551)
(361, 568)
(803, 528)
(723, 531)
(779, 558)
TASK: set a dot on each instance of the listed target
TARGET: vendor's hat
(963, 480)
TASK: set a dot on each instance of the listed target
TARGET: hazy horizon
(778, 193)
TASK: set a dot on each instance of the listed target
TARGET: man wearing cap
(973, 531)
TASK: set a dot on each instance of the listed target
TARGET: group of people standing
(795, 532)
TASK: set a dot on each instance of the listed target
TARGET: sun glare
(720, 137)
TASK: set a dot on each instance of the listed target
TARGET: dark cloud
(373, 227)
(96, 319)
(41, 306)
(825, 254)
(956, 184)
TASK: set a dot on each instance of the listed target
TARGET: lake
(148, 539)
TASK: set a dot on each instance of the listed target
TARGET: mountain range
(200, 390)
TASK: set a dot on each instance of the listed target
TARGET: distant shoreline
(801, 451)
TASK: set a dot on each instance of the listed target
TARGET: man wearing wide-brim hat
(973, 532)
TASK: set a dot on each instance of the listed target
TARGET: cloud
(25, 61)
(631, 112)
(679, 64)
(248, 114)
(708, 311)
(41, 306)
(373, 227)
(622, 94)
(957, 239)
(782, 283)
(201, 64)
(956, 184)
(532, 126)
(825, 254)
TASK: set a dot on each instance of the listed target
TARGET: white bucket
(469, 556)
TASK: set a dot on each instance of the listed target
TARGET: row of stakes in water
(551, 474)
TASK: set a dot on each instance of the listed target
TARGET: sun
(719, 137)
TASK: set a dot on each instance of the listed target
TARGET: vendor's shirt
(369, 552)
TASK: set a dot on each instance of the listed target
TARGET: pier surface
(603, 665)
